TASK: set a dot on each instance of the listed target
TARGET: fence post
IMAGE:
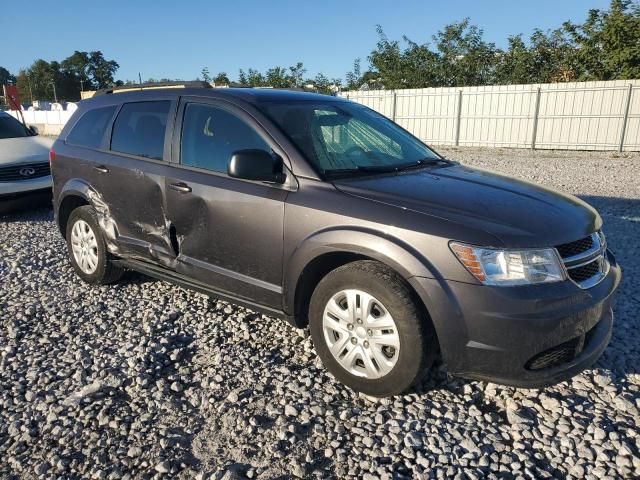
(393, 111)
(625, 118)
(458, 118)
(536, 114)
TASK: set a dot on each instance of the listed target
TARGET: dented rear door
(131, 179)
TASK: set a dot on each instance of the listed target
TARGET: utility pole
(55, 97)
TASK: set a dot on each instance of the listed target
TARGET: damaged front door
(229, 232)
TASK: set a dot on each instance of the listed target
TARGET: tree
(6, 77)
(547, 58)
(36, 81)
(465, 58)
(296, 74)
(76, 66)
(221, 79)
(205, 75)
(252, 78)
(354, 77)
(323, 84)
(607, 44)
(101, 70)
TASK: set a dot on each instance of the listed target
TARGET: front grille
(585, 259)
(24, 171)
(585, 272)
(563, 353)
(571, 249)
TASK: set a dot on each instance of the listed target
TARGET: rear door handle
(180, 187)
(101, 169)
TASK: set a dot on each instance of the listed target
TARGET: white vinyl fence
(568, 116)
(48, 122)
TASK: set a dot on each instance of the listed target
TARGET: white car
(24, 163)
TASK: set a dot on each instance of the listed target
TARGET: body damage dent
(105, 220)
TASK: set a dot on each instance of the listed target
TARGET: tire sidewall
(88, 215)
(407, 317)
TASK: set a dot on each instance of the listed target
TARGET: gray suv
(325, 213)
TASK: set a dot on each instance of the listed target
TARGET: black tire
(418, 342)
(105, 272)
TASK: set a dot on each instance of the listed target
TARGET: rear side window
(89, 130)
(140, 128)
(210, 135)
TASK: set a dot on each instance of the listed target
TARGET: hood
(24, 149)
(517, 213)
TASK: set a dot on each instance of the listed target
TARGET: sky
(176, 39)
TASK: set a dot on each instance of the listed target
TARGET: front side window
(140, 129)
(211, 134)
(89, 130)
(344, 137)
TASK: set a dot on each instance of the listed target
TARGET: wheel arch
(76, 193)
(328, 250)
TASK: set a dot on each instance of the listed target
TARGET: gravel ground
(145, 379)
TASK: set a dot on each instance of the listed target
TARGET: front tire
(87, 250)
(369, 330)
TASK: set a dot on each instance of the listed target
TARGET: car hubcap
(361, 334)
(84, 246)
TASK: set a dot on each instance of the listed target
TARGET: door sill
(183, 281)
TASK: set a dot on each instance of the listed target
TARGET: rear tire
(87, 250)
(382, 346)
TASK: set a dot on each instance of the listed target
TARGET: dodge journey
(322, 212)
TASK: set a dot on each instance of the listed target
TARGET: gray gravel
(148, 380)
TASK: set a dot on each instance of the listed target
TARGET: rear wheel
(369, 331)
(87, 250)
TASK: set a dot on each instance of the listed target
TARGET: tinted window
(139, 129)
(210, 135)
(89, 130)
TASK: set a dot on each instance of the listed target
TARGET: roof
(249, 95)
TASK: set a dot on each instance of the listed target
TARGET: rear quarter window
(89, 130)
(140, 128)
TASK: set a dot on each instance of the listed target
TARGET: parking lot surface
(145, 379)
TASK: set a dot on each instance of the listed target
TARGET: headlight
(510, 267)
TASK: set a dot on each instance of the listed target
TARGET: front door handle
(101, 169)
(180, 187)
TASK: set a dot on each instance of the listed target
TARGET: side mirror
(256, 165)
(32, 130)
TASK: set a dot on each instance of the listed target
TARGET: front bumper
(12, 202)
(525, 336)
(10, 189)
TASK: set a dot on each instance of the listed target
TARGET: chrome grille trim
(12, 173)
(597, 253)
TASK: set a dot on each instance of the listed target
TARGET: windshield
(343, 138)
(11, 128)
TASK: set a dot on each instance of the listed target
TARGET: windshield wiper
(385, 168)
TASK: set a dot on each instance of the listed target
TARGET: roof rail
(151, 86)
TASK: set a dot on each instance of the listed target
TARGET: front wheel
(369, 330)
